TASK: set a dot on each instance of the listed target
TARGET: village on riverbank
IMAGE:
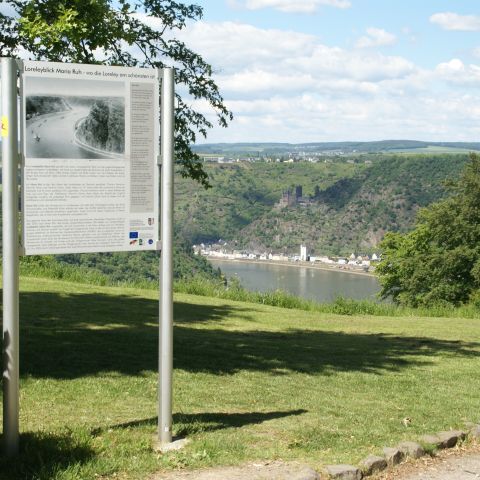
(355, 263)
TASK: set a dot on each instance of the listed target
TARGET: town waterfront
(317, 284)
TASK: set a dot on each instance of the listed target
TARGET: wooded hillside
(347, 207)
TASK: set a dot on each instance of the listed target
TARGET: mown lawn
(251, 382)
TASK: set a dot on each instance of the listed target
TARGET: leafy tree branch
(120, 33)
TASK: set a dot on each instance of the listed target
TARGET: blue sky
(342, 26)
(331, 70)
(335, 70)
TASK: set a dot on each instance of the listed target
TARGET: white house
(325, 260)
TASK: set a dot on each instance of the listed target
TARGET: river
(311, 283)
(53, 136)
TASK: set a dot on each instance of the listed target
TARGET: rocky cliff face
(104, 127)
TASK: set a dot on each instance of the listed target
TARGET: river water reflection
(311, 283)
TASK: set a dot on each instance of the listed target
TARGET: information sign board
(90, 177)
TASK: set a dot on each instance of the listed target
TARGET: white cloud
(456, 72)
(308, 118)
(237, 48)
(454, 21)
(337, 63)
(376, 37)
(291, 6)
(230, 46)
(249, 81)
(453, 66)
(289, 86)
(258, 83)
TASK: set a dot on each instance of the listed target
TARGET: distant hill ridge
(347, 147)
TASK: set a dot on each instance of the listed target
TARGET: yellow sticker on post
(4, 126)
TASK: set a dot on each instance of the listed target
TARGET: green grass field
(251, 382)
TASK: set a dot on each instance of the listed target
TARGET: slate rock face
(373, 464)
(393, 456)
(411, 449)
(344, 472)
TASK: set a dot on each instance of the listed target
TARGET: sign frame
(10, 69)
(90, 152)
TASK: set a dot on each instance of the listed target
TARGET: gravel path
(456, 464)
(461, 463)
(254, 471)
(467, 468)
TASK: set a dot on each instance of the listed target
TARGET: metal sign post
(166, 265)
(10, 256)
(138, 89)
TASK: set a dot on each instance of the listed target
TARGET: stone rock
(431, 440)
(411, 449)
(344, 472)
(475, 432)
(373, 464)
(171, 447)
(450, 439)
(393, 456)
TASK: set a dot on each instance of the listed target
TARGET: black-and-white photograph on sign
(89, 124)
(91, 143)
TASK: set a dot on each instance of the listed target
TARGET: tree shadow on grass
(74, 335)
(43, 455)
(310, 352)
(189, 423)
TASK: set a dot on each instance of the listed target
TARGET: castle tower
(298, 192)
